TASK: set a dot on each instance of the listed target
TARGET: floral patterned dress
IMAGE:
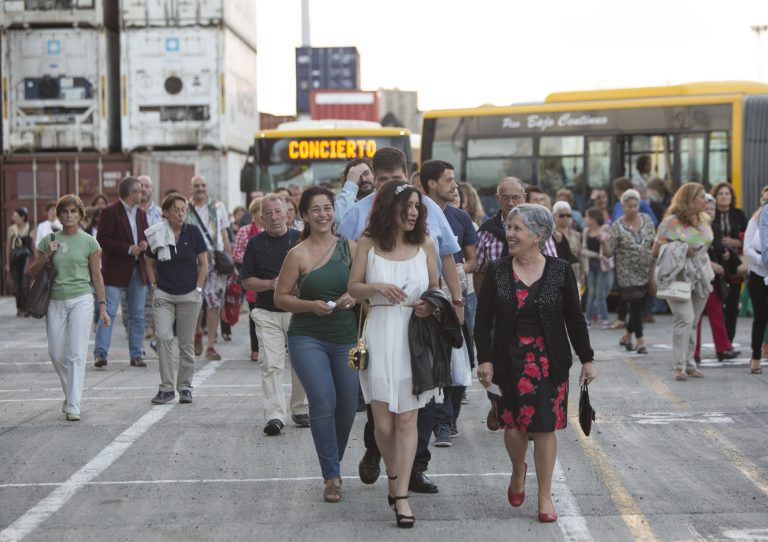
(530, 402)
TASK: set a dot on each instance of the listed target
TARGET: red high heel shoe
(517, 499)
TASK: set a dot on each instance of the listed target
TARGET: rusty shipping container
(34, 180)
(344, 105)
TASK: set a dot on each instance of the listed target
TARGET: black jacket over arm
(559, 309)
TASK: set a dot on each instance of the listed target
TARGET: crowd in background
(313, 265)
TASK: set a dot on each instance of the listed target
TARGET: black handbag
(586, 412)
(39, 291)
(222, 262)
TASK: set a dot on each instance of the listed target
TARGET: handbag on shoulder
(222, 262)
(39, 292)
(358, 356)
(676, 291)
(586, 412)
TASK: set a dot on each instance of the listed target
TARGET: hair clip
(402, 188)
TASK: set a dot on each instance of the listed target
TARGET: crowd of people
(417, 274)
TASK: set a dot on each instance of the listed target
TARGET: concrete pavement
(666, 460)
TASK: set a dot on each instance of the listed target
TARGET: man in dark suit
(122, 240)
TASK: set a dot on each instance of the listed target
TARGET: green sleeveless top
(327, 283)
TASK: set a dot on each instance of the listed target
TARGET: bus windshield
(318, 159)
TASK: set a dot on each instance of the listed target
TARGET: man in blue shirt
(621, 185)
(390, 164)
(439, 184)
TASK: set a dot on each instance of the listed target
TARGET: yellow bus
(314, 152)
(706, 132)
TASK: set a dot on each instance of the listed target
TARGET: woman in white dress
(396, 261)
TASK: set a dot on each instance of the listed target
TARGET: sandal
(681, 375)
(626, 344)
(618, 324)
(403, 521)
(755, 370)
(332, 491)
(642, 350)
(694, 373)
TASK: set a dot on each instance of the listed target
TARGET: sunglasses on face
(563, 216)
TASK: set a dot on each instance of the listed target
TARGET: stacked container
(59, 68)
(188, 83)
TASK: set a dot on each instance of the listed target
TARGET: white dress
(389, 378)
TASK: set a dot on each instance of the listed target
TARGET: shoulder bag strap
(205, 229)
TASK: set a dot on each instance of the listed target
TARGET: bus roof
(689, 93)
(687, 89)
(331, 132)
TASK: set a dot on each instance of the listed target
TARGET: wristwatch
(199, 290)
(459, 302)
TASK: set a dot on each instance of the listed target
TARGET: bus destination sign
(331, 149)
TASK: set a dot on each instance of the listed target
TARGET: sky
(464, 54)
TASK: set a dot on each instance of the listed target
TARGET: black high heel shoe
(391, 500)
(403, 521)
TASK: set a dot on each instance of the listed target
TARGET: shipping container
(344, 104)
(267, 121)
(25, 13)
(238, 15)
(34, 180)
(187, 87)
(325, 68)
(174, 170)
(60, 90)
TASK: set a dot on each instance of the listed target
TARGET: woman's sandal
(332, 491)
(403, 521)
(642, 350)
(755, 370)
(626, 344)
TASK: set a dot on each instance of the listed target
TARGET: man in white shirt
(50, 225)
(212, 219)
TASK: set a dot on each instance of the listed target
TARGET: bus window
(718, 158)
(599, 162)
(561, 162)
(448, 141)
(691, 158)
(489, 160)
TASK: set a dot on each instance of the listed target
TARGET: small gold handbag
(358, 356)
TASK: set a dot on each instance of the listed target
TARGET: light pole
(759, 29)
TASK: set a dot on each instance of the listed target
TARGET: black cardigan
(559, 310)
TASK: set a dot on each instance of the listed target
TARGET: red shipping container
(344, 104)
(34, 180)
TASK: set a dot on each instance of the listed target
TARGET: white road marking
(139, 397)
(51, 504)
(665, 418)
(569, 518)
(747, 534)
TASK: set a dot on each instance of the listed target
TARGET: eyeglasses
(563, 216)
(516, 197)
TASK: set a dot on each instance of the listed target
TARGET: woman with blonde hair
(681, 245)
(471, 202)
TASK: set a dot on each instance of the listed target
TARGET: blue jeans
(136, 294)
(598, 284)
(331, 388)
(469, 311)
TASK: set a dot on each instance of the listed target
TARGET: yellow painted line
(626, 505)
(734, 455)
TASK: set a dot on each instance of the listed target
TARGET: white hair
(561, 206)
(537, 219)
(630, 194)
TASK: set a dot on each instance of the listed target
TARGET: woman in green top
(77, 260)
(313, 286)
